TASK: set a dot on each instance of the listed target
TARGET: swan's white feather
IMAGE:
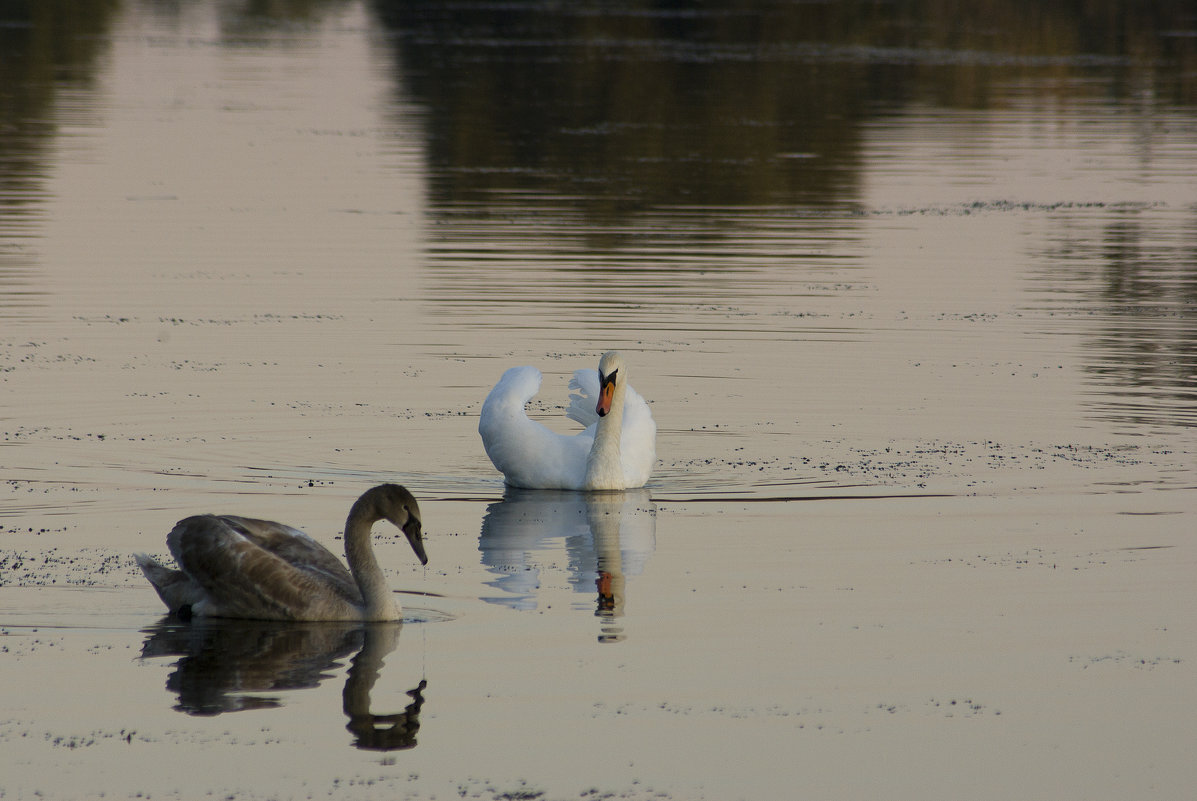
(526, 452)
(530, 455)
(585, 384)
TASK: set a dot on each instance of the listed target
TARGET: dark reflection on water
(584, 159)
(608, 536)
(1135, 282)
(618, 107)
(231, 666)
(46, 49)
(251, 24)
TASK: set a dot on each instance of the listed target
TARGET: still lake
(911, 290)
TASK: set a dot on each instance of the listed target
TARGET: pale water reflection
(607, 537)
(234, 666)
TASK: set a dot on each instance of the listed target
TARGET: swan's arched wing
(583, 400)
(239, 577)
(527, 453)
(299, 550)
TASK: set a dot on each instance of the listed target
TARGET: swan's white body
(615, 451)
(258, 569)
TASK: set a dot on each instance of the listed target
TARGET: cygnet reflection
(608, 536)
(231, 666)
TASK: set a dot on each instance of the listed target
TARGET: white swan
(616, 451)
(258, 569)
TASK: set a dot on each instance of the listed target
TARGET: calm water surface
(913, 296)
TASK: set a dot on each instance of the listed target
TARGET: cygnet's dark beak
(416, 538)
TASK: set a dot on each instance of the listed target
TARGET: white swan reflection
(608, 536)
(227, 666)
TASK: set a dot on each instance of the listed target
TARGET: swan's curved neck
(359, 552)
(604, 465)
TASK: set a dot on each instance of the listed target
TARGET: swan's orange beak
(606, 393)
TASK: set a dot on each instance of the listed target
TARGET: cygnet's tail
(174, 587)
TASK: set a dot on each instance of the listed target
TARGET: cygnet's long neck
(379, 602)
(604, 465)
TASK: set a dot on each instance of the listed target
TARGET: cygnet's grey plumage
(239, 567)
